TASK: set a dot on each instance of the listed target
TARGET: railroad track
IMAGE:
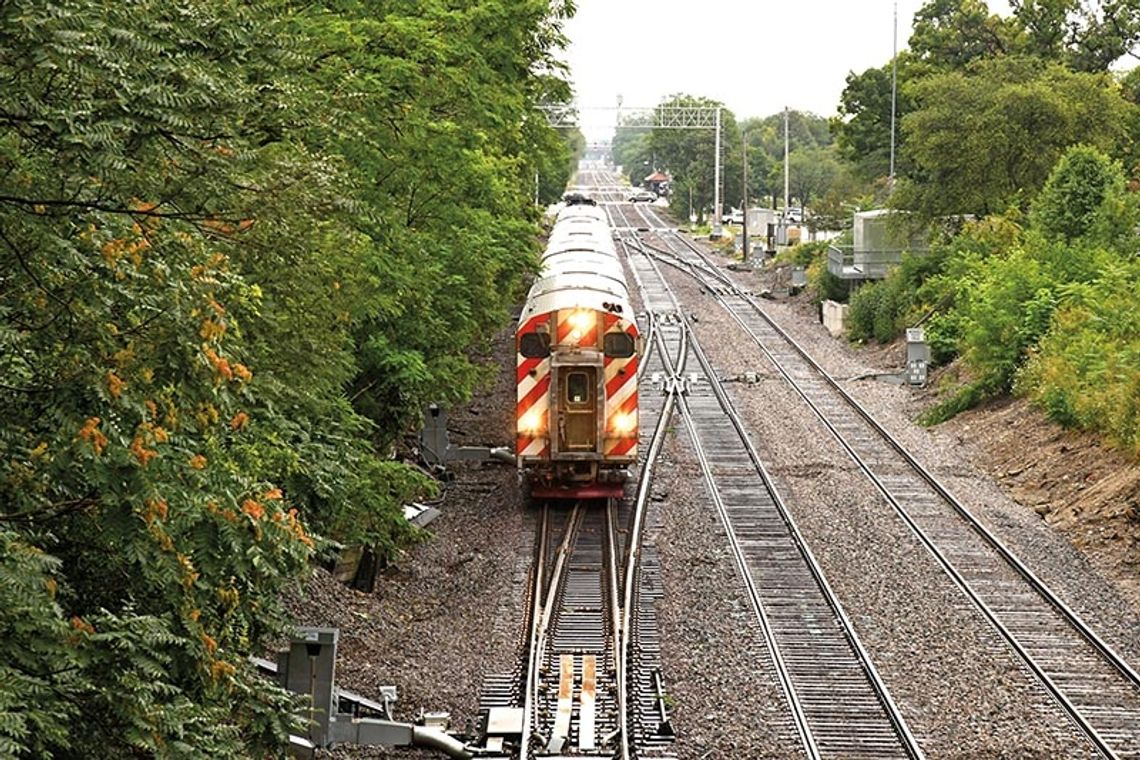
(650, 732)
(1099, 690)
(572, 697)
(837, 704)
(589, 680)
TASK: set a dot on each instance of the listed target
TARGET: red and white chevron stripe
(621, 398)
(532, 412)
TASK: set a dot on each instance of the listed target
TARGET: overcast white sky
(752, 55)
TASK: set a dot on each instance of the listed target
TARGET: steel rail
(617, 630)
(907, 739)
(544, 609)
(530, 689)
(782, 673)
(943, 491)
(1107, 653)
(645, 479)
(799, 716)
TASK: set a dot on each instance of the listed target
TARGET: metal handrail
(845, 261)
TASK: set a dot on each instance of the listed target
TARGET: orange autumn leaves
(91, 434)
(147, 433)
(212, 330)
(224, 370)
(126, 377)
(148, 436)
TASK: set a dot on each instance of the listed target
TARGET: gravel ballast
(448, 612)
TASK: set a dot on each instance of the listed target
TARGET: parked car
(734, 216)
(641, 195)
(794, 215)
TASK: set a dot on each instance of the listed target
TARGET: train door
(577, 396)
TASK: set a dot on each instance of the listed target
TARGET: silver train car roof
(580, 268)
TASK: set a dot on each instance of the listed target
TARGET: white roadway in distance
(754, 56)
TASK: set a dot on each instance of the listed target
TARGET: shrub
(866, 303)
(1083, 374)
(943, 334)
(825, 285)
(804, 254)
(1073, 201)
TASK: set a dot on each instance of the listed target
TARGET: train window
(578, 388)
(534, 345)
(618, 345)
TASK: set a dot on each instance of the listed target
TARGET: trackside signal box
(917, 356)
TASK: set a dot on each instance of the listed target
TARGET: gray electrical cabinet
(917, 356)
(307, 668)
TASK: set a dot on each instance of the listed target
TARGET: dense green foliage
(1036, 293)
(1073, 201)
(1083, 372)
(958, 38)
(862, 126)
(241, 245)
(1014, 125)
(686, 154)
(987, 136)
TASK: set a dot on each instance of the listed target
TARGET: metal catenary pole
(659, 117)
(894, 88)
(716, 229)
(744, 201)
(786, 175)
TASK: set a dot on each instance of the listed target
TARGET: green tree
(862, 128)
(805, 130)
(1084, 188)
(227, 230)
(689, 155)
(987, 137)
(142, 170)
(812, 172)
(1086, 36)
(807, 133)
(761, 186)
(948, 34)
(630, 148)
(429, 101)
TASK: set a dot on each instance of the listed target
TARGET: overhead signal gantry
(661, 117)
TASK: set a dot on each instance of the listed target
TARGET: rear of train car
(577, 356)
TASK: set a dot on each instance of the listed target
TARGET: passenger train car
(577, 357)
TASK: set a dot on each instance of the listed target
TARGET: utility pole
(786, 175)
(744, 202)
(716, 228)
(894, 88)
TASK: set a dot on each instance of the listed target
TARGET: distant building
(658, 182)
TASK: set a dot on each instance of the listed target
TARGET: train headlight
(623, 423)
(581, 320)
(531, 423)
